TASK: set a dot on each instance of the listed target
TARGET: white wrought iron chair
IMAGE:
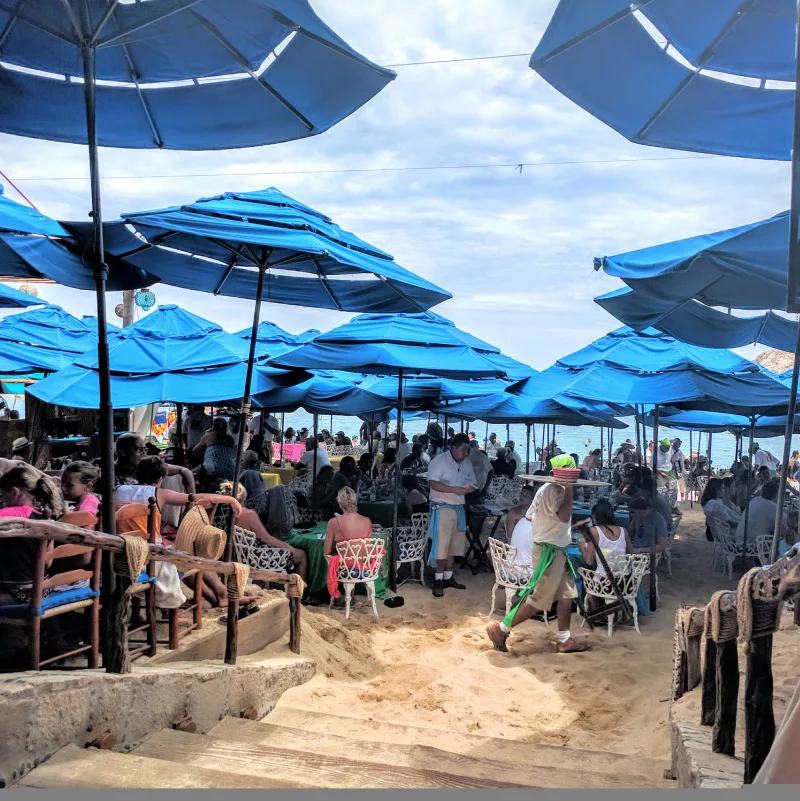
(764, 549)
(670, 494)
(250, 550)
(507, 573)
(411, 542)
(629, 571)
(730, 548)
(497, 489)
(360, 563)
(341, 450)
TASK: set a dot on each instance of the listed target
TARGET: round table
(312, 541)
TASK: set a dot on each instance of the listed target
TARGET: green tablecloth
(317, 579)
(379, 512)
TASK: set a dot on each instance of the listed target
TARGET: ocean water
(578, 440)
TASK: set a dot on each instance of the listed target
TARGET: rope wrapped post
(236, 584)
(721, 627)
(127, 568)
(759, 618)
(688, 632)
(294, 592)
(679, 666)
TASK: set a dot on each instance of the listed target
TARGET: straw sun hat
(196, 536)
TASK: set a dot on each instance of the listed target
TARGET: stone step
(646, 770)
(310, 769)
(88, 768)
(260, 734)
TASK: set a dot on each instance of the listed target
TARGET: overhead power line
(518, 166)
(457, 60)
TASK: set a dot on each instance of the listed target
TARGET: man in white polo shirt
(451, 478)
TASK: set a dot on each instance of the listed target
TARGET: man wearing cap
(679, 466)
(665, 473)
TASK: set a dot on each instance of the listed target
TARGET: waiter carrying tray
(451, 478)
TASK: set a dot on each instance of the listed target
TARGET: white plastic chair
(365, 557)
(411, 542)
(629, 571)
(250, 550)
(509, 575)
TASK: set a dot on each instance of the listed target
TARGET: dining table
(312, 541)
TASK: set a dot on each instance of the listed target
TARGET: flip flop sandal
(243, 613)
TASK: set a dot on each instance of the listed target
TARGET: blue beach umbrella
(694, 322)
(308, 335)
(169, 355)
(397, 345)
(177, 74)
(11, 298)
(271, 339)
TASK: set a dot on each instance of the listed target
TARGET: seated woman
(217, 449)
(387, 465)
(413, 499)
(150, 472)
(27, 494)
(349, 525)
(715, 503)
(613, 540)
(365, 465)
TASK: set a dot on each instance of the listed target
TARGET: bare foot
(497, 636)
(572, 647)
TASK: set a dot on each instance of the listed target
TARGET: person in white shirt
(679, 467)
(268, 427)
(480, 464)
(760, 515)
(716, 505)
(550, 515)
(404, 448)
(492, 445)
(381, 430)
(519, 528)
(762, 458)
(307, 459)
(450, 478)
(513, 456)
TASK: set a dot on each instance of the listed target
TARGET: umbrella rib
(151, 243)
(10, 24)
(259, 79)
(35, 23)
(704, 57)
(74, 20)
(183, 5)
(102, 24)
(324, 282)
(635, 6)
(403, 294)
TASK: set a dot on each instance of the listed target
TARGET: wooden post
(723, 736)
(759, 717)
(693, 640)
(119, 657)
(232, 632)
(294, 625)
(708, 702)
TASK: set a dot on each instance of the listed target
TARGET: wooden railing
(750, 615)
(118, 613)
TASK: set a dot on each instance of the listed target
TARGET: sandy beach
(431, 664)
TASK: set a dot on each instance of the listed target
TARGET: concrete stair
(298, 748)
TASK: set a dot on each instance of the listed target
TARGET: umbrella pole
(638, 435)
(283, 423)
(653, 598)
(528, 448)
(393, 544)
(245, 410)
(610, 445)
(178, 456)
(533, 430)
(708, 457)
(106, 409)
(486, 438)
(314, 477)
(691, 490)
(750, 489)
(787, 443)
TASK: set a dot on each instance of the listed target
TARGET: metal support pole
(653, 598)
(179, 456)
(486, 438)
(691, 489)
(708, 457)
(314, 477)
(787, 443)
(638, 437)
(245, 410)
(749, 488)
(280, 444)
(393, 561)
(528, 448)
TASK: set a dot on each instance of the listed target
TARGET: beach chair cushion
(55, 599)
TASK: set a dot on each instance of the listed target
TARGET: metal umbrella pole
(314, 477)
(393, 544)
(750, 489)
(638, 436)
(691, 490)
(528, 448)
(653, 597)
(787, 443)
(245, 408)
(280, 443)
(708, 457)
(486, 438)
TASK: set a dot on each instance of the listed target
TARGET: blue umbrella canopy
(711, 89)
(693, 322)
(714, 422)
(169, 355)
(504, 407)
(740, 268)
(179, 74)
(49, 327)
(652, 351)
(393, 344)
(222, 244)
(422, 391)
(308, 335)
(11, 298)
(271, 339)
(92, 323)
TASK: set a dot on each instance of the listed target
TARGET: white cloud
(515, 249)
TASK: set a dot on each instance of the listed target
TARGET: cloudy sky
(514, 249)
